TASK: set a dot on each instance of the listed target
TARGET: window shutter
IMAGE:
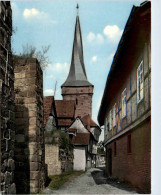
(138, 83)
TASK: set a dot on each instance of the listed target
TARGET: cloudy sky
(41, 23)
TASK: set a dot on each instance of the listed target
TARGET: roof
(81, 139)
(77, 74)
(47, 101)
(136, 33)
(65, 108)
(88, 122)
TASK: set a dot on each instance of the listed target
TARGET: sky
(51, 22)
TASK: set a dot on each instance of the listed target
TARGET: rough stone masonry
(29, 139)
(6, 101)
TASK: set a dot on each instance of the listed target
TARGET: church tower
(77, 87)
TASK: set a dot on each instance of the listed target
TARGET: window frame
(123, 104)
(140, 82)
(114, 115)
(110, 120)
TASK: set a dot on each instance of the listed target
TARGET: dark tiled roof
(77, 74)
(88, 122)
(81, 139)
(65, 108)
(47, 107)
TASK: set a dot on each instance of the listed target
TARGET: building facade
(125, 109)
(84, 134)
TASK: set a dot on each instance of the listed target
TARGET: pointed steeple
(77, 73)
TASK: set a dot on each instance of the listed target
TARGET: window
(114, 115)
(129, 143)
(123, 100)
(107, 124)
(115, 149)
(140, 82)
(110, 120)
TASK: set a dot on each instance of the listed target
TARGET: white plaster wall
(79, 126)
(79, 158)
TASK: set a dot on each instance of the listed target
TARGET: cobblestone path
(91, 182)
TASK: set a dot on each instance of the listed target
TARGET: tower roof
(77, 73)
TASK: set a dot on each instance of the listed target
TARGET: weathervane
(77, 9)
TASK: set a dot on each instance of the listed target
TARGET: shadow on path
(100, 178)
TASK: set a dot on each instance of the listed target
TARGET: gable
(77, 124)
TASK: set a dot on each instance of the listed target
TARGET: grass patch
(59, 180)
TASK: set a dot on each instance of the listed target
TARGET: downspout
(0, 126)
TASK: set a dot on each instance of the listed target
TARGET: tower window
(76, 101)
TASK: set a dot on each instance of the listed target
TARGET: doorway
(109, 162)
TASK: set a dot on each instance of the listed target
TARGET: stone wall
(52, 159)
(6, 101)
(83, 98)
(58, 160)
(29, 144)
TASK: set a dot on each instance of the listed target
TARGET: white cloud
(95, 38)
(58, 67)
(32, 13)
(91, 37)
(48, 92)
(99, 38)
(35, 14)
(113, 32)
(94, 59)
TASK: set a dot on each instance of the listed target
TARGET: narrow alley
(92, 182)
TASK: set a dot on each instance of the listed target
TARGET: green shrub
(58, 137)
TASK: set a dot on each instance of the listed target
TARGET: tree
(29, 51)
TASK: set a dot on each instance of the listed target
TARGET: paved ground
(92, 182)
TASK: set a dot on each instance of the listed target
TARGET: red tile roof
(47, 107)
(88, 122)
(65, 108)
(81, 139)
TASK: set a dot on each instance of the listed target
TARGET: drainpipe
(0, 126)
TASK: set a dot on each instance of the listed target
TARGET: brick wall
(29, 145)
(6, 101)
(83, 97)
(133, 167)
